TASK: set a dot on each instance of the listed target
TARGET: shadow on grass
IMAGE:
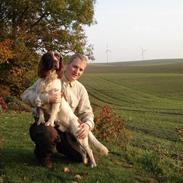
(20, 165)
(18, 156)
(26, 157)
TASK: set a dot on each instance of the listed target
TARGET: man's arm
(30, 95)
(84, 110)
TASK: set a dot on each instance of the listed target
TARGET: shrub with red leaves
(3, 105)
(110, 127)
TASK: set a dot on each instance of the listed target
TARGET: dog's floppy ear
(41, 70)
(45, 64)
(60, 71)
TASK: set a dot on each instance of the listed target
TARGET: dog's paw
(40, 122)
(93, 165)
(49, 123)
(38, 102)
(85, 160)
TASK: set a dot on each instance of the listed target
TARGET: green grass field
(148, 95)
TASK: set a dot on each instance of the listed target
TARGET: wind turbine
(142, 52)
(107, 51)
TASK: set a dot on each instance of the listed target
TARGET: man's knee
(43, 134)
(65, 146)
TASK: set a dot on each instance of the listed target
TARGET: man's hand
(54, 97)
(83, 131)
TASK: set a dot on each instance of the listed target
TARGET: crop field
(147, 95)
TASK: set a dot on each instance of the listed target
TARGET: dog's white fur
(46, 86)
(67, 120)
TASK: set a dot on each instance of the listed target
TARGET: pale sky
(137, 29)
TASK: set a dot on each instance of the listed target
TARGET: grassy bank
(152, 106)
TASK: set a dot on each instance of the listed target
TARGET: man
(47, 137)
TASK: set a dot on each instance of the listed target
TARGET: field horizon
(154, 65)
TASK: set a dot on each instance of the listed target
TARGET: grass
(18, 163)
(152, 106)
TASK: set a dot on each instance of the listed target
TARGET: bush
(4, 90)
(110, 127)
(17, 71)
(3, 105)
(13, 103)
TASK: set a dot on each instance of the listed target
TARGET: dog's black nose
(56, 65)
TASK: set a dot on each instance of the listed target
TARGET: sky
(130, 30)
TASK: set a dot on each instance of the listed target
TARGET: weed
(180, 133)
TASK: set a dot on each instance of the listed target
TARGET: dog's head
(50, 61)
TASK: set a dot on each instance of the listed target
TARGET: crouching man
(46, 138)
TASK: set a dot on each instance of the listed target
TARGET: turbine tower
(142, 52)
(107, 51)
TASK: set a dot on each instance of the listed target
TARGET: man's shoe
(46, 162)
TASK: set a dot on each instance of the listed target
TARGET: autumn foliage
(111, 128)
(6, 52)
(16, 63)
(3, 105)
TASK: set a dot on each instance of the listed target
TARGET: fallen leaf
(67, 170)
(77, 177)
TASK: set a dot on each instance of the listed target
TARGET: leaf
(67, 170)
(77, 177)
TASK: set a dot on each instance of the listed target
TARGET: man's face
(75, 69)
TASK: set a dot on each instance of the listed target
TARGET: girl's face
(75, 69)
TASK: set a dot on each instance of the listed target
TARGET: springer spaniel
(50, 71)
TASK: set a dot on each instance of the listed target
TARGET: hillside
(146, 95)
(152, 66)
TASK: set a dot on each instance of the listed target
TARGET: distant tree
(34, 26)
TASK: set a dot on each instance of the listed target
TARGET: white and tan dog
(50, 71)
(62, 112)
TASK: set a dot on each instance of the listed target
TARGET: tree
(34, 26)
